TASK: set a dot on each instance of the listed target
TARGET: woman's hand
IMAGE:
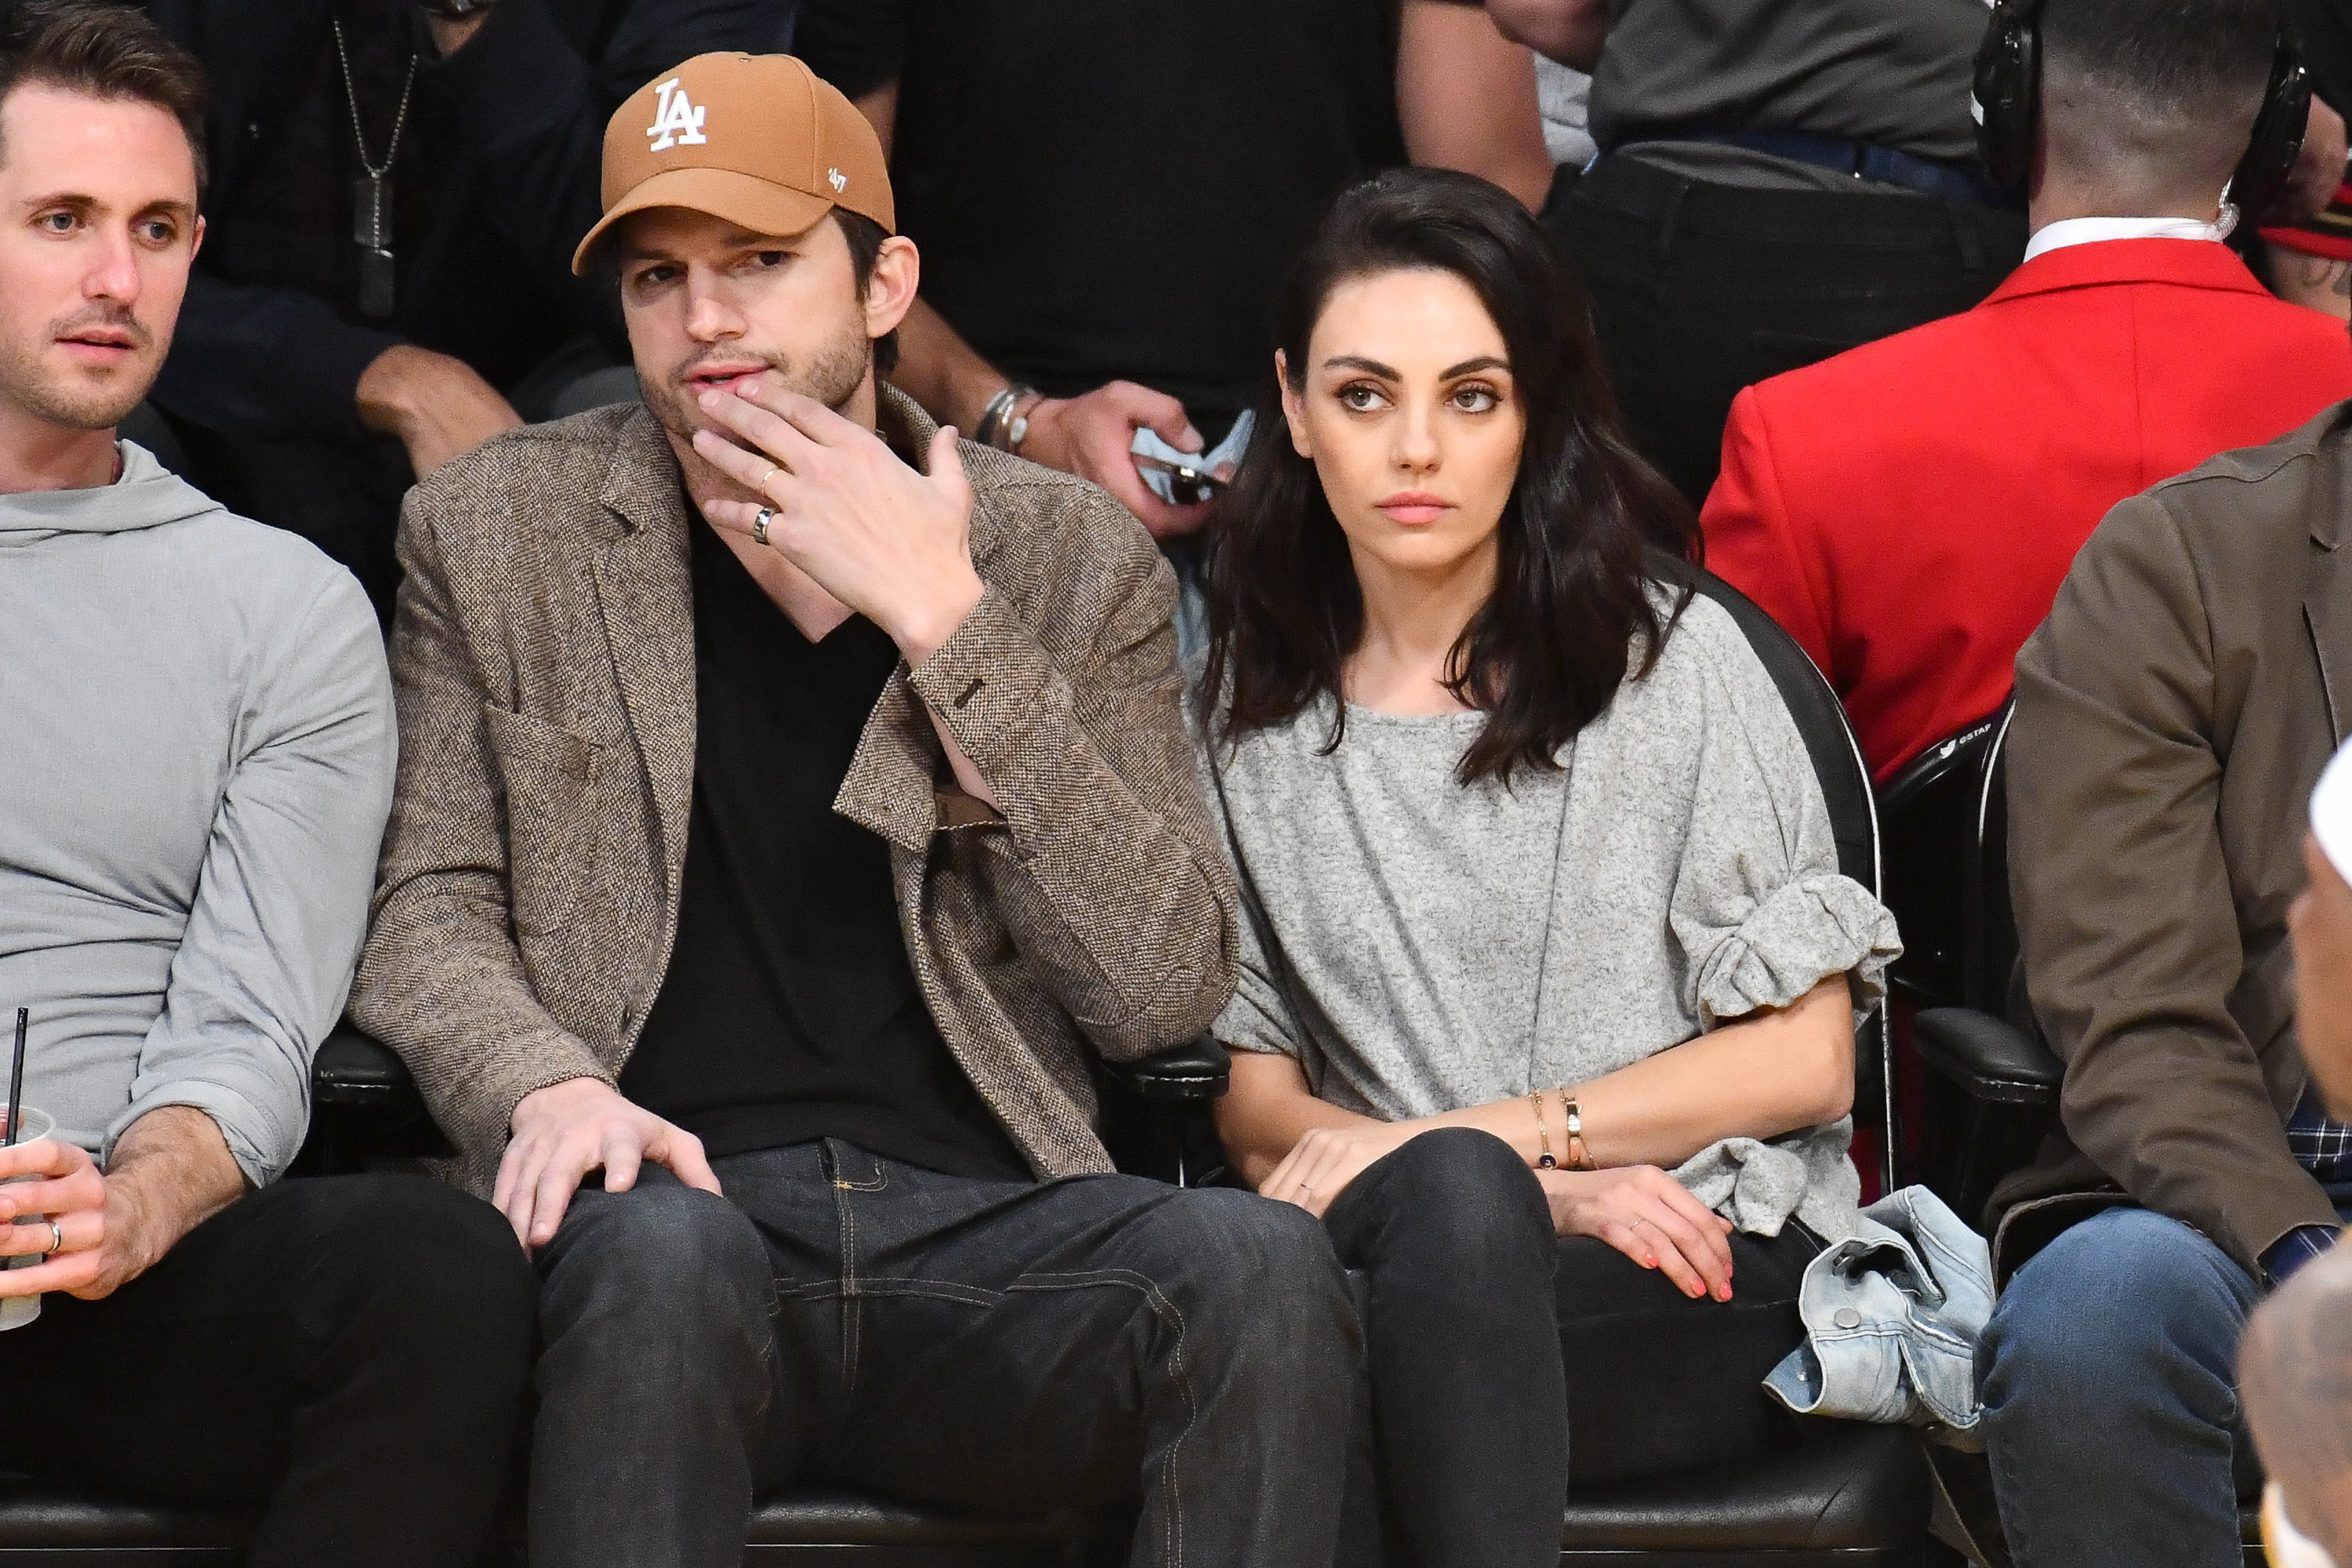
(1321, 1165)
(1650, 1218)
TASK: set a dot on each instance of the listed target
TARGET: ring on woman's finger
(57, 1240)
(760, 524)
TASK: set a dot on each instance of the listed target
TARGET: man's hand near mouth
(435, 404)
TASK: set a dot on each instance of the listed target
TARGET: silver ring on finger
(760, 523)
(56, 1241)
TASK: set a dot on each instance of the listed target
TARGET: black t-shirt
(1113, 188)
(790, 1011)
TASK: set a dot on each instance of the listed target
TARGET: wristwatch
(999, 426)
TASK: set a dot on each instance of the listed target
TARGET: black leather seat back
(1929, 817)
(1990, 947)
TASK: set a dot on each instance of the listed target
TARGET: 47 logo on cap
(677, 121)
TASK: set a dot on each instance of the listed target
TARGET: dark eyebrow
(168, 208)
(72, 200)
(1356, 361)
(1483, 361)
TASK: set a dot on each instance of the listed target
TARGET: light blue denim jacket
(1892, 1317)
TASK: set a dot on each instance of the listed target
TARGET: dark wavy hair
(1587, 529)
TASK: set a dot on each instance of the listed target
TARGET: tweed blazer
(543, 664)
(2173, 714)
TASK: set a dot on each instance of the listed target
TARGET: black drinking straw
(16, 1076)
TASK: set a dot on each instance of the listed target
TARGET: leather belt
(1862, 160)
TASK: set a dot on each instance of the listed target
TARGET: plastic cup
(15, 1312)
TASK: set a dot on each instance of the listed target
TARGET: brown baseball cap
(757, 140)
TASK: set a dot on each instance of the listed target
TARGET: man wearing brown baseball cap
(793, 798)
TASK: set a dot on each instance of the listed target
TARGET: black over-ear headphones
(2009, 97)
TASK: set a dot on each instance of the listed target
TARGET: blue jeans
(2109, 1378)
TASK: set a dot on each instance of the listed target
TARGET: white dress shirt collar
(2089, 230)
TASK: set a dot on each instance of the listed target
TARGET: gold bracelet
(1535, 1098)
(1580, 1158)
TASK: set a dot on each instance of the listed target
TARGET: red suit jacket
(1907, 509)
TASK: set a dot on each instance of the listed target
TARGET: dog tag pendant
(375, 282)
(372, 232)
(371, 212)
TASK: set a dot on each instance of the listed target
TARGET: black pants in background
(1509, 1365)
(1700, 290)
(348, 1352)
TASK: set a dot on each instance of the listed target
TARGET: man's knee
(1228, 1254)
(662, 1257)
(406, 1264)
(2118, 1306)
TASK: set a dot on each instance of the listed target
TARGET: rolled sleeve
(1760, 908)
(263, 969)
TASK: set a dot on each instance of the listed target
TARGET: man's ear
(891, 291)
(196, 240)
(1294, 406)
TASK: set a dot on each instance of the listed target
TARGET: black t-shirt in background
(1114, 188)
(790, 1011)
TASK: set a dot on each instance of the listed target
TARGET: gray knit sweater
(1442, 946)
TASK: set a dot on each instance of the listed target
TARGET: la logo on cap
(676, 120)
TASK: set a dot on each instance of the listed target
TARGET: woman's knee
(1455, 1207)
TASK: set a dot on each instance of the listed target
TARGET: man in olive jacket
(791, 799)
(2172, 716)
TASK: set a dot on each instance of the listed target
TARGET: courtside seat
(1844, 1495)
(57, 1526)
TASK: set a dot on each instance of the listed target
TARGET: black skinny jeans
(348, 1352)
(1510, 1364)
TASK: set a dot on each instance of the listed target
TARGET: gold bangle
(1580, 1158)
(1535, 1098)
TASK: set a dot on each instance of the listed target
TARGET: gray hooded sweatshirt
(196, 753)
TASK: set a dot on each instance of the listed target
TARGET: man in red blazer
(1907, 509)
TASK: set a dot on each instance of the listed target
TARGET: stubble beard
(69, 400)
(831, 376)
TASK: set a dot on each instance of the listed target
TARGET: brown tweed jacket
(543, 663)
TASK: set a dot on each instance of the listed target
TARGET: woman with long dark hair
(1550, 979)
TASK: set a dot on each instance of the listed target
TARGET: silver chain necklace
(371, 197)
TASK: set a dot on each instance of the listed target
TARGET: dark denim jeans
(2109, 1377)
(992, 1346)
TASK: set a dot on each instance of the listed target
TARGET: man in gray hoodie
(196, 756)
